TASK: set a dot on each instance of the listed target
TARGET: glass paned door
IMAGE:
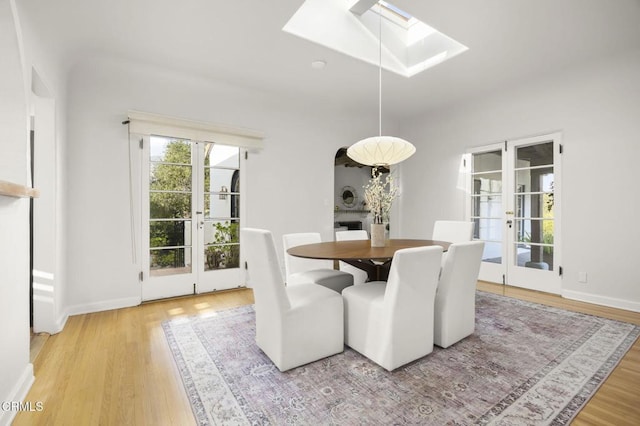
(487, 210)
(168, 211)
(532, 214)
(192, 211)
(514, 204)
(219, 221)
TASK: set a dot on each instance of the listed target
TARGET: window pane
(169, 177)
(492, 252)
(222, 156)
(170, 233)
(221, 205)
(535, 155)
(167, 205)
(170, 261)
(534, 205)
(169, 150)
(221, 180)
(488, 229)
(221, 256)
(487, 161)
(534, 231)
(535, 180)
(535, 257)
(221, 231)
(488, 183)
(487, 206)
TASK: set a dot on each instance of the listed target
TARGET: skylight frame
(394, 14)
(408, 46)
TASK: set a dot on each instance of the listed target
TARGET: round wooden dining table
(376, 261)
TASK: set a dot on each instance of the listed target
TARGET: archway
(350, 210)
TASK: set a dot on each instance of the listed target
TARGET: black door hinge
(141, 276)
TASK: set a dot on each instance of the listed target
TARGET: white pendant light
(380, 150)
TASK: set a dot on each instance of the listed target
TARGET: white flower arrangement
(379, 194)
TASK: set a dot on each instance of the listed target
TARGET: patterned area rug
(526, 364)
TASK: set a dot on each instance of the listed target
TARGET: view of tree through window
(173, 197)
(170, 198)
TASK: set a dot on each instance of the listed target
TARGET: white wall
(21, 53)
(597, 108)
(289, 184)
(16, 373)
(45, 80)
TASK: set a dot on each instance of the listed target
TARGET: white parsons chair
(452, 231)
(455, 307)
(295, 324)
(391, 323)
(300, 270)
(359, 276)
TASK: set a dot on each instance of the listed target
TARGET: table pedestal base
(375, 271)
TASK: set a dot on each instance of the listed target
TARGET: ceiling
(241, 42)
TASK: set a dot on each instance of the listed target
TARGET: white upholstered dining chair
(300, 270)
(452, 231)
(295, 324)
(455, 306)
(359, 275)
(391, 323)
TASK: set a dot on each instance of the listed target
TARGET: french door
(515, 205)
(191, 216)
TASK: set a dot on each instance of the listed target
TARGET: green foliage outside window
(226, 251)
(173, 176)
(170, 198)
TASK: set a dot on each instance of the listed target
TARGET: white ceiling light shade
(381, 151)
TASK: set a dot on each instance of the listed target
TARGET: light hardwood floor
(115, 368)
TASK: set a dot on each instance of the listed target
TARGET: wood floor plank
(116, 368)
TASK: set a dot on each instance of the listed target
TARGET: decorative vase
(377, 235)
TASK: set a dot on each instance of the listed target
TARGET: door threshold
(37, 343)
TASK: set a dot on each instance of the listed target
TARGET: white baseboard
(62, 321)
(18, 394)
(105, 305)
(602, 300)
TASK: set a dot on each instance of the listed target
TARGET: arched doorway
(350, 210)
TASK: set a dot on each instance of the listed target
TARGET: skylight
(352, 27)
(396, 13)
